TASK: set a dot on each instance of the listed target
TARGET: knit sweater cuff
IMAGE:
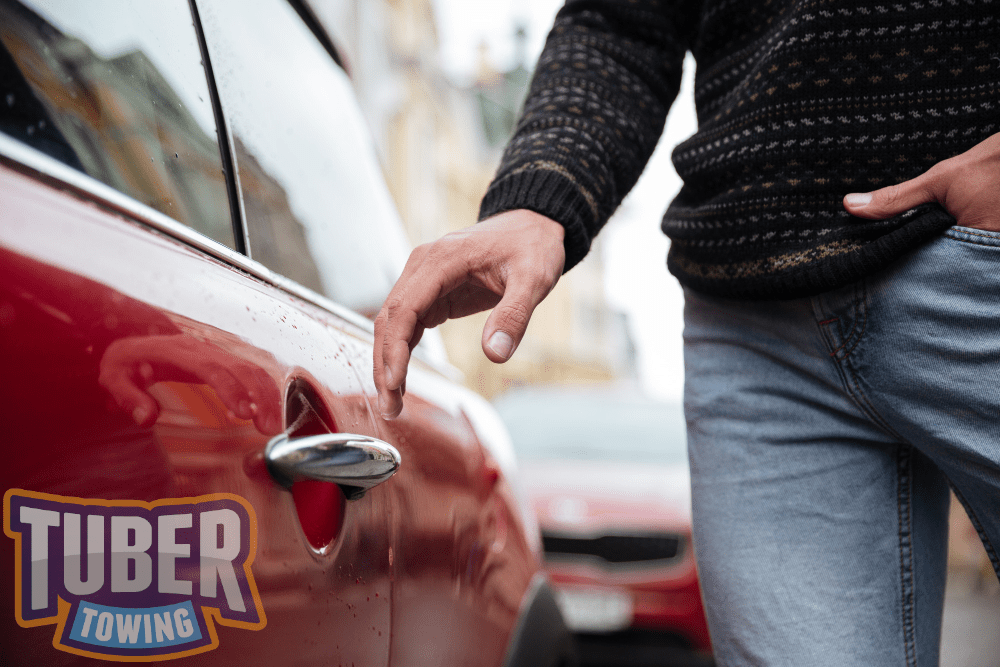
(552, 195)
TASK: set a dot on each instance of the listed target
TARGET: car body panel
(148, 366)
(109, 286)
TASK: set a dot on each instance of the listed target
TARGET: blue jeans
(823, 435)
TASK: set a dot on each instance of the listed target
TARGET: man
(838, 238)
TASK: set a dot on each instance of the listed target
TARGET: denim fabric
(823, 435)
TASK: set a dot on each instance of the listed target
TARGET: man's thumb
(507, 323)
(890, 201)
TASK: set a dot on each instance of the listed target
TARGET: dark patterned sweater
(799, 103)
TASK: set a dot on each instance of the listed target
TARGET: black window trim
(224, 141)
(308, 16)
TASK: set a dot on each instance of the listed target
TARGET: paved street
(971, 632)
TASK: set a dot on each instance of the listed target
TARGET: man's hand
(967, 185)
(131, 365)
(510, 261)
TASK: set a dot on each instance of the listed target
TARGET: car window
(552, 425)
(316, 206)
(117, 89)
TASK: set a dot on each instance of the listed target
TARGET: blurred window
(316, 205)
(593, 427)
(117, 89)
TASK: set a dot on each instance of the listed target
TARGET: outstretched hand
(967, 186)
(131, 365)
(509, 263)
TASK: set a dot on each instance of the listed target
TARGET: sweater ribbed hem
(550, 194)
(823, 275)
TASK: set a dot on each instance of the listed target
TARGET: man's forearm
(595, 111)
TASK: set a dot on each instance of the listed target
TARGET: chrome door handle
(355, 462)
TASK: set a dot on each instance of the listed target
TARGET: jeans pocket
(980, 237)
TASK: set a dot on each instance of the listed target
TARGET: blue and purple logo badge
(134, 581)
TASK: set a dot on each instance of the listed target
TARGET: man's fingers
(507, 323)
(137, 403)
(460, 274)
(390, 403)
(896, 199)
(229, 389)
(406, 303)
(386, 404)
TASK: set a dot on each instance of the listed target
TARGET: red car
(607, 473)
(191, 221)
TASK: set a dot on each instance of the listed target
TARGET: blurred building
(440, 145)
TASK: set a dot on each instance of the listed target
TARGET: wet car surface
(192, 225)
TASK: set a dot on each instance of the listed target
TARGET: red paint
(136, 367)
(320, 507)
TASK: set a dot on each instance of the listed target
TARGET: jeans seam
(979, 243)
(956, 237)
(845, 368)
(855, 391)
(854, 326)
(904, 474)
(860, 312)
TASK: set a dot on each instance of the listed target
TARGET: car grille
(614, 548)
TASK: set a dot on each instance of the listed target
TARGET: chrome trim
(355, 462)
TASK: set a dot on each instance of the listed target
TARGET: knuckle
(513, 317)
(891, 195)
(393, 304)
(423, 249)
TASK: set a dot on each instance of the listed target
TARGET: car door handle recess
(355, 462)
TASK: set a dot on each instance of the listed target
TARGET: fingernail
(382, 409)
(388, 374)
(139, 415)
(502, 344)
(859, 199)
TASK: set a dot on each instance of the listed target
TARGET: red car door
(192, 220)
(146, 368)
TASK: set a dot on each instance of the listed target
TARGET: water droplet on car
(41, 124)
(10, 99)
(31, 130)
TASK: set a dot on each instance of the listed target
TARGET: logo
(133, 581)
